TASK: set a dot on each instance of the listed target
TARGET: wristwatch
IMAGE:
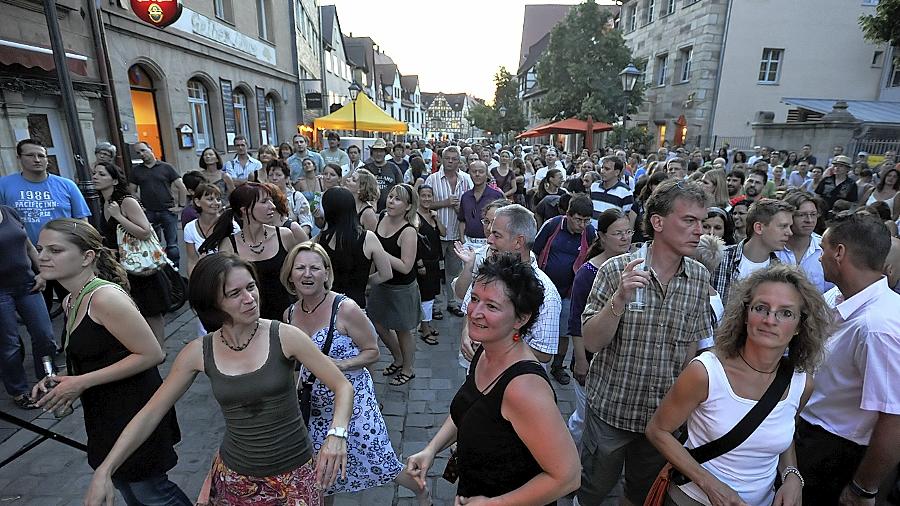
(340, 432)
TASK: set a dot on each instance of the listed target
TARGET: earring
(516, 336)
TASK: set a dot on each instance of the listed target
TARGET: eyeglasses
(781, 316)
(581, 221)
(621, 234)
(486, 222)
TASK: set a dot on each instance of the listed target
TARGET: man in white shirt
(800, 177)
(848, 436)
(242, 165)
(552, 163)
(803, 248)
(768, 230)
(514, 230)
(334, 154)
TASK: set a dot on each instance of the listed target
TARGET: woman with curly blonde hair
(774, 317)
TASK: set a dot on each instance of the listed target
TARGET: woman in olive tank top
(250, 363)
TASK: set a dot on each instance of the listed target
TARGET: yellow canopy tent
(369, 117)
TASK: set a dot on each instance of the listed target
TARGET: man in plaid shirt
(639, 354)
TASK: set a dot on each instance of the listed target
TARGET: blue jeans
(168, 222)
(31, 308)
(155, 491)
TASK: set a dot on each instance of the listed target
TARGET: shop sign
(159, 13)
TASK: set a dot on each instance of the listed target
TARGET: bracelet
(612, 307)
(792, 470)
(861, 492)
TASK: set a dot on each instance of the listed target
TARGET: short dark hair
(763, 173)
(239, 137)
(202, 165)
(662, 200)
(207, 287)
(580, 204)
(618, 165)
(353, 146)
(864, 235)
(24, 142)
(524, 289)
(763, 210)
(334, 135)
(738, 173)
(192, 179)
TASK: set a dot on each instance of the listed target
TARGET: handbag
(178, 287)
(140, 257)
(731, 440)
(304, 393)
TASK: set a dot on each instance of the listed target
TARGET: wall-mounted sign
(159, 13)
(200, 25)
(185, 136)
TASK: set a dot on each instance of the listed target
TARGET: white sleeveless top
(889, 202)
(749, 469)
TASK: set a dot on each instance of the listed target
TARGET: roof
(867, 111)
(361, 51)
(455, 100)
(534, 54)
(329, 15)
(537, 22)
(387, 73)
(409, 83)
(427, 99)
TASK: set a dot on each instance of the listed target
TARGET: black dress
(151, 291)
(351, 268)
(431, 254)
(273, 296)
(108, 408)
(492, 459)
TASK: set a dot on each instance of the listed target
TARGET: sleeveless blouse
(273, 296)
(392, 247)
(350, 268)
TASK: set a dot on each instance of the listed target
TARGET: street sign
(159, 13)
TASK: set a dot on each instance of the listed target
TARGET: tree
(884, 25)
(580, 69)
(505, 115)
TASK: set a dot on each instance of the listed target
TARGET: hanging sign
(159, 13)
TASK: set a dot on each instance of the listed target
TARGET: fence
(875, 146)
(743, 143)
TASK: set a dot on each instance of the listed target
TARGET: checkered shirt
(730, 268)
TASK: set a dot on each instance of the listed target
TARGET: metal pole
(76, 139)
(354, 117)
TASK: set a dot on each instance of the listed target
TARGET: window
(687, 55)
(651, 6)
(662, 68)
(271, 120)
(632, 18)
(877, 59)
(894, 81)
(241, 117)
(670, 7)
(770, 65)
(224, 10)
(198, 100)
(262, 17)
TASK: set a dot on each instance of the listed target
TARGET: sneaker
(560, 375)
(24, 401)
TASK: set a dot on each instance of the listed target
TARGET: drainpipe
(715, 100)
(322, 62)
(298, 103)
(111, 106)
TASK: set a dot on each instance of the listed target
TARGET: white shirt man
(242, 165)
(552, 163)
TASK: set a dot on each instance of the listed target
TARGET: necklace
(313, 310)
(74, 296)
(755, 369)
(244, 346)
(258, 247)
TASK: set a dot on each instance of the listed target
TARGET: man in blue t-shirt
(561, 247)
(37, 195)
(40, 197)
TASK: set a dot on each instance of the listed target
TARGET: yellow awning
(369, 117)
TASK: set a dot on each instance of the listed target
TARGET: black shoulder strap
(326, 346)
(233, 243)
(740, 432)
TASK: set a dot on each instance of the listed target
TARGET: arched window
(271, 120)
(198, 98)
(241, 115)
(143, 104)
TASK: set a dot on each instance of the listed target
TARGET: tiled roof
(427, 99)
(534, 54)
(409, 83)
(539, 19)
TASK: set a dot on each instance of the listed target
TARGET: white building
(338, 66)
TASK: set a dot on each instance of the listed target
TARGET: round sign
(159, 13)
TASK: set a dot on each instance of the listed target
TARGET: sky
(478, 37)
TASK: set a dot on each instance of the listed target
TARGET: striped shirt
(442, 191)
(628, 378)
(619, 196)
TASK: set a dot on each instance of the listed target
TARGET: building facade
(338, 66)
(711, 65)
(30, 102)
(446, 116)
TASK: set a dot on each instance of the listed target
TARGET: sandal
(391, 370)
(437, 314)
(435, 332)
(402, 379)
(24, 401)
(429, 340)
(455, 311)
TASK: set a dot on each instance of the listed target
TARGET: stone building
(710, 66)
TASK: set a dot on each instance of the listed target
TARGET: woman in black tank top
(363, 185)
(504, 418)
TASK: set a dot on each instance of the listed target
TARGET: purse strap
(740, 432)
(329, 338)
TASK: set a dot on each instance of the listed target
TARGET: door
(45, 126)
(143, 103)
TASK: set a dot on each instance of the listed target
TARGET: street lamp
(629, 77)
(354, 93)
(502, 112)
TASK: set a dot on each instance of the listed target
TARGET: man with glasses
(242, 165)
(610, 192)
(768, 229)
(804, 247)
(561, 247)
(472, 204)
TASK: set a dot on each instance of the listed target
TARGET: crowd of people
(733, 320)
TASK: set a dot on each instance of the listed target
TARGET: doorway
(143, 103)
(45, 125)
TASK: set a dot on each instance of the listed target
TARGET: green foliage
(580, 69)
(634, 137)
(489, 118)
(884, 25)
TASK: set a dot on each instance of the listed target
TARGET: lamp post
(502, 112)
(354, 93)
(629, 77)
